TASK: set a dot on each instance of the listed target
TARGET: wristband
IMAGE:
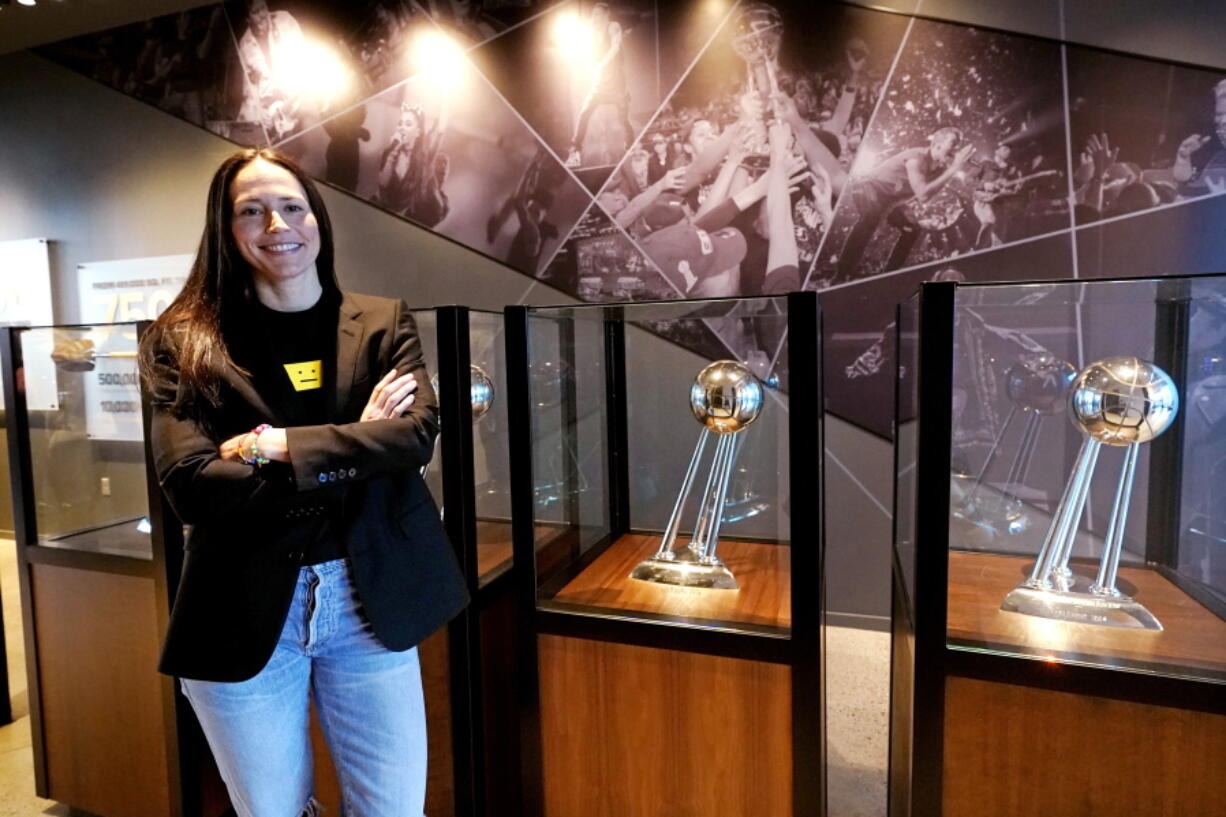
(250, 452)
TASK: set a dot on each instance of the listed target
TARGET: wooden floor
(1193, 637)
(761, 570)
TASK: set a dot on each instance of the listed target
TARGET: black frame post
(617, 406)
(1172, 318)
(25, 532)
(184, 756)
(460, 522)
(807, 453)
(523, 538)
(935, 385)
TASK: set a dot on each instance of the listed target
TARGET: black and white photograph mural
(444, 150)
(184, 64)
(1144, 134)
(588, 76)
(859, 322)
(967, 152)
(709, 152)
(630, 150)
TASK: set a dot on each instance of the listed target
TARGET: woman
(290, 422)
(413, 171)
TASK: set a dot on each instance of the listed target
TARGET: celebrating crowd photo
(1144, 134)
(963, 155)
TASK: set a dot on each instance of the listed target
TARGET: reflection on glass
(87, 452)
(491, 464)
(711, 509)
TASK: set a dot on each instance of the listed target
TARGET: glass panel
(1062, 406)
(491, 458)
(1201, 555)
(741, 579)
(906, 448)
(569, 436)
(427, 330)
(87, 448)
(491, 435)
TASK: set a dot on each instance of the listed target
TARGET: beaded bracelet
(250, 454)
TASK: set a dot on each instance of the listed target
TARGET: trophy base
(684, 570)
(1080, 607)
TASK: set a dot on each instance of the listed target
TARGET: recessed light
(27, 2)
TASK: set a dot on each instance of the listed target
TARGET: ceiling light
(27, 2)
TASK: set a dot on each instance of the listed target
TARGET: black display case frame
(801, 651)
(183, 740)
(922, 659)
(481, 638)
(479, 690)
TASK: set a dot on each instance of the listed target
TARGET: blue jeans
(369, 701)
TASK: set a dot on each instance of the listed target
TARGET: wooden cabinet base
(1015, 751)
(101, 700)
(630, 730)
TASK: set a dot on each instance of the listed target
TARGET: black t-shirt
(292, 361)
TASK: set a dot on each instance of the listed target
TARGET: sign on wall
(25, 300)
(132, 289)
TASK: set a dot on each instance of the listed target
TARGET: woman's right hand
(391, 398)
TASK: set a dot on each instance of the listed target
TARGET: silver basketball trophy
(1119, 401)
(1037, 386)
(481, 393)
(759, 34)
(725, 398)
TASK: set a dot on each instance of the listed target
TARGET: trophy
(1036, 386)
(1120, 401)
(759, 33)
(481, 393)
(725, 398)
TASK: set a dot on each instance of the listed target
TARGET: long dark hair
(199, 330)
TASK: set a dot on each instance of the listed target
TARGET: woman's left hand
(229, 450)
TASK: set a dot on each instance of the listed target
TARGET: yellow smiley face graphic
(306, 375)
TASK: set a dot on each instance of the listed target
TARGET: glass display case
(490, 461)
(98, 554)
(653, 472)
(87, 462)
(1058, 521)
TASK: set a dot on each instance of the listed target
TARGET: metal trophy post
(725, 398)
(1119, 401)
(1037, 386)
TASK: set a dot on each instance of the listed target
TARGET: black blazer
(245, 548)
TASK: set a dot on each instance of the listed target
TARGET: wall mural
(628, 150)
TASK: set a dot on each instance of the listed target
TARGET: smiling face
(273, 226)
